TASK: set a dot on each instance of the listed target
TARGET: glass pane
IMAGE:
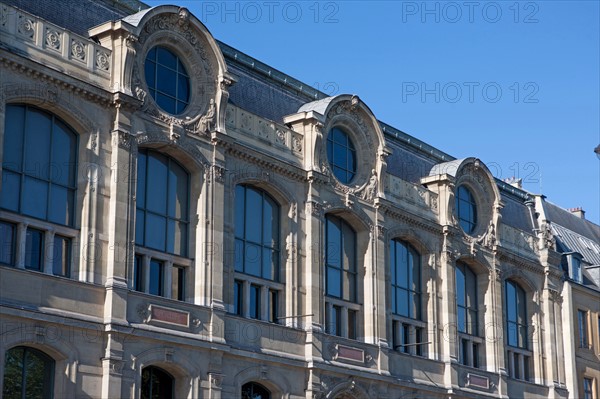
(149, 72)
(460, 286)
(414, 262)
(349, 286)
(239, 256)
(512, 334)
(402, 302)
(141, 180)
(402, 262)
(252, 259)
(180, 107)
(35, 195)
(140, 223)
(340, 157)
(156, 278)
(461, 319)
(61, 256)
(472, 320)
(166, 58)
(334, 244)
(270, 223)
(178, 191)
(63, 155)
(11, 187)
(415, 302)
(351, 161)
(521, 305)
(273, 306)
(340, 137)
(138, 273)
(37, 143)
(176, 237)
(394, 303)
(268, 267)
(155, 231)
(253, 215)
(333, 282)
(349, 258)
(393, 261)
(7, 243)
(37, 375)
(13, 373)
(13, 137)
(165, 81)
(177, 283)
(166, 103)
(237, 298)
(34, 244)
(352, 324)
(239, 211)
(61, 205)
(523, 337)
(511, 303)
(183, 88)
(157, 183)
(255, 302)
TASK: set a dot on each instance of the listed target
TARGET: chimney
(579, 212)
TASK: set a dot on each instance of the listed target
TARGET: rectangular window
(464, 352)
(238, 294)
(352, 324)
(7, 243)
(419, 339)
(34, 250)
(582, 318)
(475, 355)
(588, 392)
(405, 342)
(138, 273)
(255, 302)
(333, 316)
(178, 283)
(156, 283)
(273, 306)
(61, 261)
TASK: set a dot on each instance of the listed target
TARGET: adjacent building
(180, 220)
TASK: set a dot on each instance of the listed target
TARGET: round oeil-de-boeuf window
(167, 80)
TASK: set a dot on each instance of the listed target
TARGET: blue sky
(515, 84)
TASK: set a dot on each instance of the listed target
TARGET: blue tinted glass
(183, 88)
(512, 334)
(252, 259)
(177, 191)
(334, 282)
(35, 195)
(156, 278)
(462, 319)
(13, 137)
(253, 215)
(166, 58)
(339, 137)
(239, 256)
(11, 187)
(166, 103)
(61, 205)
(254, 302)
(157, 183)
(150, 73)
(239, 211)
(34, 244)
(37, 143)
(334, 243)
(7, 243)
(63, 155)
(155, 231)
(340, 157)
(460, 287)
(166, 82)
(141, 180)
(139, 227)
(511, 302)
(402, 302)
(237, 298)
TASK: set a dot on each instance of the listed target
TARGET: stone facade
(101, 333)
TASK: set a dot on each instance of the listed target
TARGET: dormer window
(167, 79)
(575, 268)
(466, 209)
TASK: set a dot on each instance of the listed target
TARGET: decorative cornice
(410, 218)
(282, 168)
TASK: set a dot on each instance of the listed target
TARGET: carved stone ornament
(203, 123)
(216, 379)
(78, 50)
(26, 26)
(546, 238)
(143, 312)
(53, 39)
(369, 191)
(315, 209)
(102, 60)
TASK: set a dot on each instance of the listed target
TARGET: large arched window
(162, 224)
(39, 179)
(408, 331)
(340, 278)
(28, 373)
(39, 166)
(252, 390)
(467, 315)
(156, 384)
(256, 286)
(518, 353)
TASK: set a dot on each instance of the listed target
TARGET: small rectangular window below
(273, 306)
(238, 289)
(138, 273)
(156, 283)
(333, 321)
(34, 250)
(178, 283)
(7, 243)
(352, 324)
(255, 301)
(405, 342)
(61, 260)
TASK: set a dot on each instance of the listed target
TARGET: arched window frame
(257, 295)
(39, 242)
(342, 309)
(147, 387)
(518, 353)
(409, 333)
(339, 142)
(470, 344)
(158, 272)
(48, 378)
(251, 389)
